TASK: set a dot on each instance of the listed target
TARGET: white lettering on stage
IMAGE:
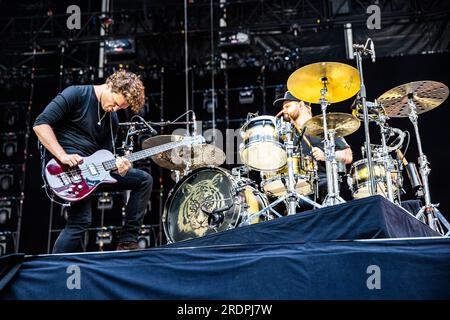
(74, 280)
(374, 280)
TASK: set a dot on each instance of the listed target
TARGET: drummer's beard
(304, 116)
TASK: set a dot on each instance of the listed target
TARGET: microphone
(372, 50)
(411, 170)
(217, 216)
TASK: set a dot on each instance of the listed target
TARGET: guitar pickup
(92, 169)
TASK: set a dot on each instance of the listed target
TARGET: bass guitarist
(80, 121)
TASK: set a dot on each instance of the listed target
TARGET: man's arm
(345, 155)
(47, 137)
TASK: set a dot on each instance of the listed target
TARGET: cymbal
(342, 82)
(199, 155)
(344, 124)
(426, 95)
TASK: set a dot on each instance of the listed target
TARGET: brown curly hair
(130, 86)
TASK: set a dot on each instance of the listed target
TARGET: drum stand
(433, 215)
(332, 196)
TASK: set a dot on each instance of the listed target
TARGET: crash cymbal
(426, 95)
(342, 82)
(343, 123)
(177, 159)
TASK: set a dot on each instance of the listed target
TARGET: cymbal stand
(433, 215)
(332, 196)
(385, 130)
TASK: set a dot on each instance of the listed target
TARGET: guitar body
(73, 184)
(77, 183)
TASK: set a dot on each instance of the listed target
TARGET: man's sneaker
(127, 246)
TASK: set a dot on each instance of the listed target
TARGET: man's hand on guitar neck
(123, 165)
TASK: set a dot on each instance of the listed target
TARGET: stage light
(5, 215)
(119, 46)
(246, 96)
(6, 182)
(3, 243)
(104, 236)
(144, 238)
(208, 102)
(9, 148)
(234, 39)
(105, 202)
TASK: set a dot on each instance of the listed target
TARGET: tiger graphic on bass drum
(204, 194)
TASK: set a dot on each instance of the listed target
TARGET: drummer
(300, 112)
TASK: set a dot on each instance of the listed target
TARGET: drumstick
(308, 143)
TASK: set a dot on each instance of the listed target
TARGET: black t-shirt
(340, 144)
(74, 115)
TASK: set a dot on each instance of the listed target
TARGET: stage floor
(287, 258)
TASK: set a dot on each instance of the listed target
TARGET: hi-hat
(341, 80)
(179, 158)
(426, 96)
(343, 124)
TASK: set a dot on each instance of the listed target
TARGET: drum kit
(208, 199)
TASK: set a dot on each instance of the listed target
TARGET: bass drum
(209, 188)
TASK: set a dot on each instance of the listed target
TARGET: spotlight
(105, 202)
(144, 238)
(119, 46)
(208, 102)
(5, 215)
(246, 96)
(3, 242)
(6, 181)
(104, 236)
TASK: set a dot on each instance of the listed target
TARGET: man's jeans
(80, 215)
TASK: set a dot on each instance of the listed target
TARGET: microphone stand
(359, 51)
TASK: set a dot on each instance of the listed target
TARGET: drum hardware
(359, 51)
(325, 83)
(412, 173)
(410, 100)
(291, 197)
(338, 125)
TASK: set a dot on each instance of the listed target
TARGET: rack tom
(262, 147)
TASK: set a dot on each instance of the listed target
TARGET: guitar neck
(111, 164)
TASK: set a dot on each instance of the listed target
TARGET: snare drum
(358, 179)
(274, 183)
(262, 147)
